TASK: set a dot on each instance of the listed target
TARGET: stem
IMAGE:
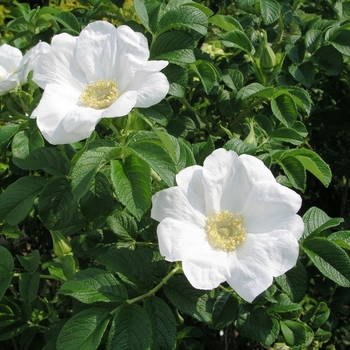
(47, 277)
(152, 291)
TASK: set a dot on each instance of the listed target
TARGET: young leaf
(130, 329)
(226, 23)
(270, 10)
(84, 330)
(317, 315)
(17, 199)
(162, 322)
(141, 11)
(132, 183)
(94, 285)
(329, 258)
(57, 206)
(207, 74)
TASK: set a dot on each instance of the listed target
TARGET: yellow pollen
(100, 95)
(225, 230)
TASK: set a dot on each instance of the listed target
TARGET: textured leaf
(270, 10)
(174, 46)
(287, 135)
(130, 329)
(312, 39)
(342, 238)
(316, 221)
(187, 299)
(163, 323)
(330, 59)
(48, 159)
(225, 310)
(284, 109)
(94, 285)
(17, 199)
(84, 330)
(183, 16)
(31, 262)
(25, 142)
(207, 74)
(141, 11)
(225, 22)
(295, 171)
(238, 40)
(7, 131)
(132, 183)
(56, 204)
(296, 334)
(254, 90)
(329, 258)
(28, 286)
(304, 73)
(284, 304)
(178, 79)
(6, 270)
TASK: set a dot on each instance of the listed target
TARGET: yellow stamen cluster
(100, 95)
(225, 230)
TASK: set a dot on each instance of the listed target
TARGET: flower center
(225, 230)
(100, 95)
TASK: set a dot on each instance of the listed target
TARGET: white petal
(172, 203)
(229, 179)
(7, 84)
(122, 106)
(151, 88)
(29, 61)
(190, 182)
(180, 240)
(106, 52)
(59, 118)
(10, 57)
(59, 66)
(271, 206)
(260, 258)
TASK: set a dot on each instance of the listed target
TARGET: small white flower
(14, 67)
(102, 73)
(229, 221)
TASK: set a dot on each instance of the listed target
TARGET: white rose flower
(14, 67)
(229, 221)
(102, 73)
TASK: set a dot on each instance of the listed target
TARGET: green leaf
(130, 329)
(294, 282)
(162, 111)
(92, 285)
(258, 325)
(329, 258)
(87, 166)
(31, 262)
(132, 266)
(316, 221)
(254, 90)
(339, 37)
(62, 267)
(304, 73)
(132, 183)
(295, 171)
(317, 315)
(69, 21)
(150, 148)
(48, 159)
(98, 202)
(191, 301)
(57, 207)
(178, 79)
(270, 11)
(6, 270)
(183, 16)
(225, 22)
(287, 135)
(174, 46)
(163, 323)
(28, 286)
(123, 225)
(25, 143)
(296, 334)
(141, 11)
(240, 147)
(7, 131)
(17, 199)
(238, 40)
(313, 163)
(342, 238)
(84, 330)
(330, 59)
(284, 304)
(284, 109)
(207, 74)
(312, 40)
(225, 310)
